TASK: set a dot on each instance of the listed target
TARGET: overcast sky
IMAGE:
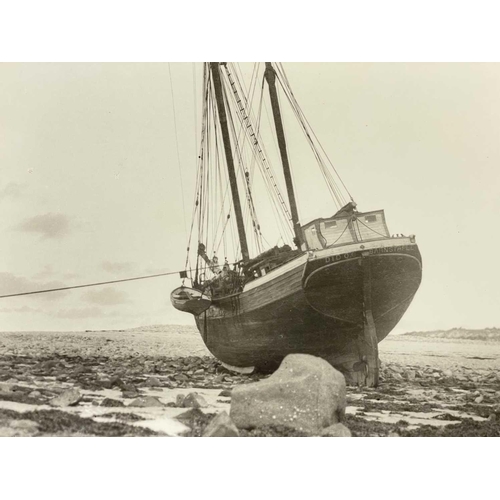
(91, 189)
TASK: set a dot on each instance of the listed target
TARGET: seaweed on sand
(466, 428)
(54, 422)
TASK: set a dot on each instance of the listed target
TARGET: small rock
(146, 402)
(81, 369)
(128, 388)
(153, 382)
(35, 394)
(18, 428)
(104, 383)
(448, 373)
(492, 417)
(190, 415)
(194, 400)
(226, 393)
(69, 397)
(410, 374)
(436, 375)
(336, 430)
(179, 400)
(221, 426)
(116, 381)
(4, 387)
(199, 371)
(397, 376)
(479, 399)
(109, 402)
(394, 434)
(129, 394)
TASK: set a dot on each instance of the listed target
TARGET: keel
(365, 371)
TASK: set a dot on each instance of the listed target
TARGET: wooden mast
(270, 75)
(214, 67)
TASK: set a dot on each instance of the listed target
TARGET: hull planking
(315, 304)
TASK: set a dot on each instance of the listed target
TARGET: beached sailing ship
(339, 292)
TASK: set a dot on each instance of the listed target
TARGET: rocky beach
(161, 381)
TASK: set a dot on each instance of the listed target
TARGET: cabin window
(370, 218)
(330, 223)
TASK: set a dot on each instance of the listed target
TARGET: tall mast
(214, 67)
(270, 75)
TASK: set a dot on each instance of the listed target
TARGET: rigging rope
(258, 150)
(281, 72)
(241, 162)
(90, 284)
(370, 228)
(177, 148)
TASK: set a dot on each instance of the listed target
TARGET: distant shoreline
(484, 334)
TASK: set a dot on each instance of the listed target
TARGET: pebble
(336, 430)
(18, 428)
(70, 397)
(221, 426)
(4, 387)
(130, 394)
(153, 382)
(146, 402)
(109, 402)
(194, 400)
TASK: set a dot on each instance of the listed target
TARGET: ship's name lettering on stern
(371, 251)
(336, 258)
(400, 248)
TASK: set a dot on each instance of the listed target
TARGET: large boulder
(306, 393)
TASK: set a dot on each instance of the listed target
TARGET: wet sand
(432, 387)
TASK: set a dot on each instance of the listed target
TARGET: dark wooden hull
(314, 304)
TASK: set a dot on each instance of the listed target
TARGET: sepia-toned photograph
(266, 249)
(301, 249)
